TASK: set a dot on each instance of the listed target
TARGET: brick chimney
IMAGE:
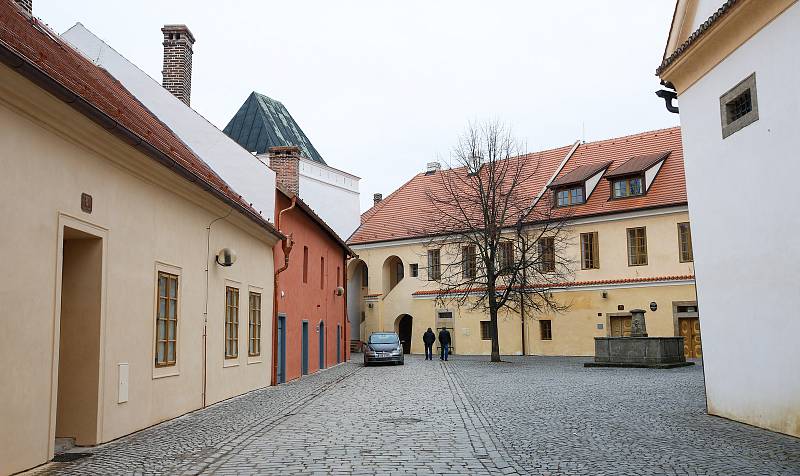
(285, 161)
(376, 198)
(26, 5)
(177, 72)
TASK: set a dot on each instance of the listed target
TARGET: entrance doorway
(404, 328)
(321, 345)
(620, 326)
(304, 344)
(690, 331)
(78, 378)
(281, 348)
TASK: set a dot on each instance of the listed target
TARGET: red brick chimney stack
(26, 5)
(177, 72)
(285, 161)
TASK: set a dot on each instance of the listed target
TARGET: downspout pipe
(286, 245)
(668, 96)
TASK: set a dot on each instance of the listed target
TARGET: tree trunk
(495, 337)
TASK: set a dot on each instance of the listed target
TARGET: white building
(262, 123)
(246, 174)
(736, 70)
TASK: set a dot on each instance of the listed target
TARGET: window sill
(230, 363)
(162, 372)
(254, 360)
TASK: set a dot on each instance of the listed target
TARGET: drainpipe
(205, 312)
(522, 298)
(668, 96)
(286, 245)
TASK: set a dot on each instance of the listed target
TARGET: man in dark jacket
(444, 343)
(429, 338)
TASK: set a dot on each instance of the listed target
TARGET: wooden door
(620, 326)
(690, 331)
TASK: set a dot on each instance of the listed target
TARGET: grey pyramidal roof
(263, 122)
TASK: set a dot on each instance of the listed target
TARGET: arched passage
(392, 273)
(404, 327)
(357, 288)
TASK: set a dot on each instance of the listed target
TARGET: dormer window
(570, 196)
(627, 187)
(577, 185)
(634, 177)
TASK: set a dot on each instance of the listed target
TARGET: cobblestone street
(543, 416)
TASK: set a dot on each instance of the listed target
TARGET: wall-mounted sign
(620, 307)
(86, 202)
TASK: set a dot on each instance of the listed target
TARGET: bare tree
(495, 243)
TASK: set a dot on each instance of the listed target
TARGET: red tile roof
(637, 165)
(686, 277)
(579, 174)
(400, 214)
(33, 50)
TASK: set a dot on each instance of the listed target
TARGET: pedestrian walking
(444, 343)
(429, 338)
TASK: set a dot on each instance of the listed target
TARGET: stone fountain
(638, 350)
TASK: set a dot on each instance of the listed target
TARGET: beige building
(115, 311)
(630, 242)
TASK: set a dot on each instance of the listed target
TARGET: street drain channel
(68, 457)
(400, 420)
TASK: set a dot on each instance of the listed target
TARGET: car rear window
(383, 339)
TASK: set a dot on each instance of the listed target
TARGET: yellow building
(631, 247)
(114, 311)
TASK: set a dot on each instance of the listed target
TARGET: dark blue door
(338, 344)
(321, 345)
(281, 349)
(305, 347)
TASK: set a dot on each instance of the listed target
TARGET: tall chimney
(285, 161)
(376, 198)
(177, 72)
(26, 5)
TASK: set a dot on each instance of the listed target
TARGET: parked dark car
(383, 347)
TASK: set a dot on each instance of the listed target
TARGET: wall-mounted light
(226, 257)
(605, 294)
(369, 305)
(339, 291)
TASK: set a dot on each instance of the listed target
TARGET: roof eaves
(694, 37)
(16, 61)
(317, 219)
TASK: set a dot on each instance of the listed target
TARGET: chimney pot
(376, 198)
(285, 161)
(433, 167)
(177, 71)
(26, 5)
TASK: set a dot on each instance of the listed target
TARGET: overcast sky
(381, 88)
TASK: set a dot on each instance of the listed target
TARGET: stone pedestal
(638, 350)
(656, 352)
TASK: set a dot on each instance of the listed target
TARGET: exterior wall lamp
(339, 291)
(226, 257)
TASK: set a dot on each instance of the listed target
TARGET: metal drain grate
(68, 457)
(400, 420)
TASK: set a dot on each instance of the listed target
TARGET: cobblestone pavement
(543, 416)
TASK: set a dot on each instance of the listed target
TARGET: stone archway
(404, 327)
(393, 273)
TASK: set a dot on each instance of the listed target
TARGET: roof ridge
(632, 136)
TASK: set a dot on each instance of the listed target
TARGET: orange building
(310, 323)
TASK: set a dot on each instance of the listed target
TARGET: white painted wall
(743, 200)
(332, 194)
(246, 174)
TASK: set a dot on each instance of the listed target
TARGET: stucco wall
(574, 330)
(743, 196)
(310, 301)
(148, 217)
(321, 186)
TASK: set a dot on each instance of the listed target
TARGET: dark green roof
(263, 122)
